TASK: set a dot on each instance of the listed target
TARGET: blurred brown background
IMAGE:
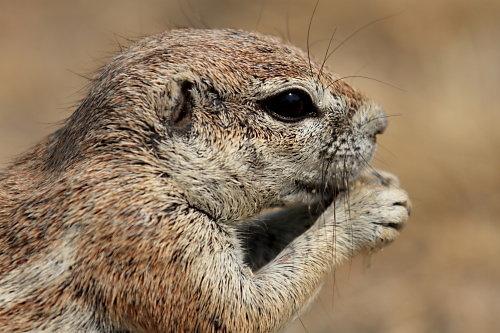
(443, 274)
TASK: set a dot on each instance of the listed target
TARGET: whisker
(385, 116)
(355, 32)
(326, 53)
(363, 159)
(185, 14)
(347, 204)
(287, 23)
(83, 76)
(303, 326)
(386, 150)
(363, 77)
(197, 15)
(261, 11)
(380, 161)
(334, 229)
(308, 36)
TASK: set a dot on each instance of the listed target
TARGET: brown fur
(138, 215)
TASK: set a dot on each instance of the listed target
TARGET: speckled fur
(141, 213)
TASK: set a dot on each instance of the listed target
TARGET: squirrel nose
(371, 119)
(381, 124)
(379, 121)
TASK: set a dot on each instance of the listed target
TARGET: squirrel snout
(372, 119)
(381, 125)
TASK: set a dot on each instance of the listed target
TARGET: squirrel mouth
(304, 191)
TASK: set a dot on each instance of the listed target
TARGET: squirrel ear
(176, 109)
(182, 111)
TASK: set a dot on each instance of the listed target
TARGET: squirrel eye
(290, 105)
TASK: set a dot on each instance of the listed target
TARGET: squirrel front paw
(373, 211)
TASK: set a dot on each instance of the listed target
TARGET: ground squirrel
(142, 213)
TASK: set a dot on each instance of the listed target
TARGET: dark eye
(290, 105)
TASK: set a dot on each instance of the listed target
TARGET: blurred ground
(443, 274)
